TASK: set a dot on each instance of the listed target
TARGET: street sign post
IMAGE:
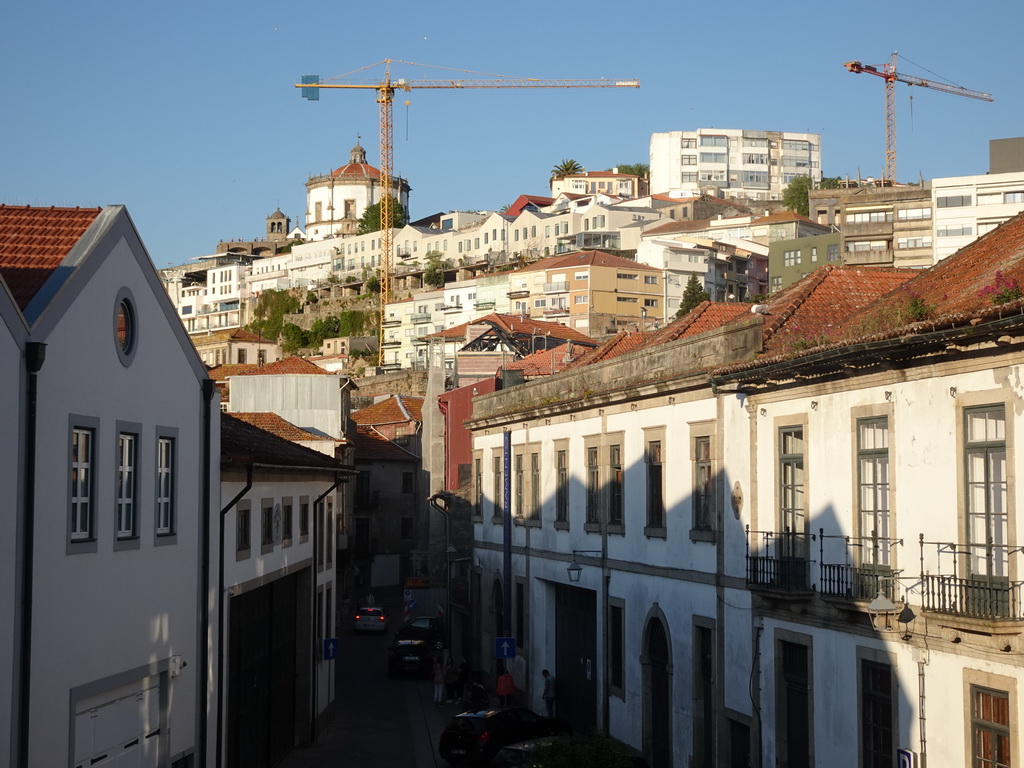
(330, 648)
(504, 648)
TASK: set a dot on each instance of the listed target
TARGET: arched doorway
(657, 667)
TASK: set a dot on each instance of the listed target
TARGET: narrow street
(378, 722)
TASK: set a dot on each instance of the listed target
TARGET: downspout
(313, 571)
(220, 603)
(202, 685)
(506, 492)
(35, 355)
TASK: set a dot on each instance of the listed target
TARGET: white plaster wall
(309, 401)
(96, 615)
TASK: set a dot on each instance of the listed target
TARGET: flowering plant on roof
(797, 337)
(1002, 290)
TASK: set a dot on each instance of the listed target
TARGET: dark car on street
(429, 629)
(410, 657)
(474, 738)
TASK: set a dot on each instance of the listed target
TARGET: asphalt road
(378, 722)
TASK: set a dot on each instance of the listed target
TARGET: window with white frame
(127, 484)
(82, 492)
(873, 494)
(986, 477)
(165, 482)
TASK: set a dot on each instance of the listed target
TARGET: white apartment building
(738, 163)
(967, 207)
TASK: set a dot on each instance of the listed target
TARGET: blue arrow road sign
(330, 648)
(505, 648)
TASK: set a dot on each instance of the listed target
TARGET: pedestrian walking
(549, 692)
(506, 687)
(450, 676)
(437, 675)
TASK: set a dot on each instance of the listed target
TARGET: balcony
(485, 304)
(556, 312)
(986, 593)
(521, 293)
(420, 317)
(559, 287)
(452, 308)
(392, 322)
(872, 576)
(779, 561)
(392, 343)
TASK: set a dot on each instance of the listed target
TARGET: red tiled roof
(620, 344)
(241, 441)
(589, 258)
(222, 372)
(545, 362)
(370, 445)
(674, 227)
(704, 317)
(360, 170)
(397, 409)
(35, 241)
(515, 324)
(780, 217)
(287, 365)
(275, 425)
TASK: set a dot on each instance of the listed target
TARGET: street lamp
(574, 569)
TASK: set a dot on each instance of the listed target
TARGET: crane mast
(385, 91)
(891, 76)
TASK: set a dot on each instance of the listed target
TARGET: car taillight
(357, 617)
(382, 618)
(484, 737)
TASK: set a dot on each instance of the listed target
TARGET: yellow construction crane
(890, 75)
(385, 89)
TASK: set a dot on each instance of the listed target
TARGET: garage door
(123, 732)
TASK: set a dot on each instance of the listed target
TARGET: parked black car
(476, 737)
(429, 629)
(410, 657)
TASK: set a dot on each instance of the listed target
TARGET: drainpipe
(220, 606)
(435, 502)
(35, 355)
(313, 571)
(202, 684)
(506, 595)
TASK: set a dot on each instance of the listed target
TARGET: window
(267, 524)
(751, 158)
(286, 522)
(650, 302)
(913, 214)
(82, 494)
(535, 486)
(792, 519)
(626, 299)
(561, 486)
(650, 279)
(913, 242)
(1013, 197)
(165, 481)
(713, 157)
(702, 483)
(953, 201)
(655, 486)
(304, 517)
(689, 159)
(793, 709)
(791, 258)
(688, 143)
(776, 283)
(960, 230)
(518, 477)
(869, 217)
(987, 521)
(714, 141)
(832, 252)
(584, 299)
(496, 488)
(593, 486)
(242, 531)
(615, 484)
(127, 484)
(990, 728)
(873, 494)
(407, 482)
(625, 276)
(876, 715)
(478, 487)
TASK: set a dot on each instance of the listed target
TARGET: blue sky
(185, 111)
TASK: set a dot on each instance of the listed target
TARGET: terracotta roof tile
(359, 170)
(241, 441)
(370, 445)
(271, 422)
(620, 344)
(222, 372)
(545, 362)
(589, 258)
(516, 324)
(397, 409)
(35, 241)
(704, 317)
(289, 365)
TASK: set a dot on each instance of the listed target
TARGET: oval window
(125, 327)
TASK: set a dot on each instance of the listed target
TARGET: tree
(693, 295)
(433, 275)
(370, 220)
(271, 307)
(795, 195)
(830, 182)
(643, 170)
(565, 168)
(371, 284)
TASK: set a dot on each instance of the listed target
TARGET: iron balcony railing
(984, 592)
(779, 560)
(873, 573)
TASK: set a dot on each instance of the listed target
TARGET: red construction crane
(385, 89)
(890, 75)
